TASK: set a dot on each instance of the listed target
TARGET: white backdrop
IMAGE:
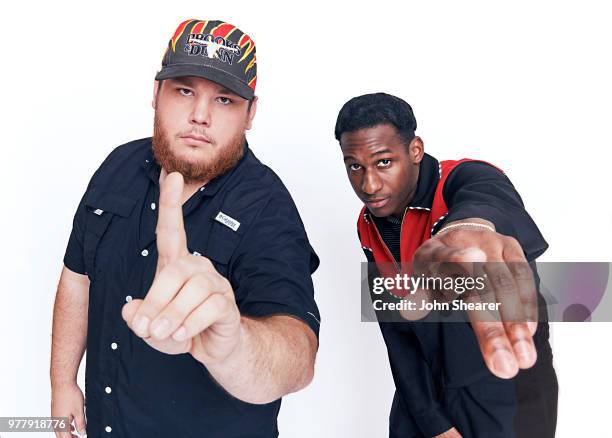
(525, 85)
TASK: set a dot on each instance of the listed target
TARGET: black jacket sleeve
(477, 189)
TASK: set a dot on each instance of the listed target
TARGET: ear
(252, 112)
(155, 90)
(416, 148)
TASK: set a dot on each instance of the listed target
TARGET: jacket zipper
(398, 267)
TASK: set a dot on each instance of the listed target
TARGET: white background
(525, 85)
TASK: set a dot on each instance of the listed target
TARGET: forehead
(369, 140)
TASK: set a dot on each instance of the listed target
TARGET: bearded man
(187, 275)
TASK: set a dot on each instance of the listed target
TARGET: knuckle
(173, 268)
(150, 306)
(457, 257)
(511, 241)
(419, 255)
(202, 281)
(503, 283)
(183, 265)
(174, 312)
(225, 284)
(522, 271)
(218, 303)
(425, 249)
(492, 332)
(205, 262)
(517, 329)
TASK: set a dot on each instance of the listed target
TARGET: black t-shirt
(133, 390)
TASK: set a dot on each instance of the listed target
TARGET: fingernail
(141, 325)
(522, 350)
(503, 362)
(180, 334)
(160, 328)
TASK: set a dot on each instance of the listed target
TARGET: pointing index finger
(171, 237)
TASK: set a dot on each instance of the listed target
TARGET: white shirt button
(108, 389)
(152, 205)
(108, 429)
(114, 345)
(128, 298)
(201, 189)
(144, 253)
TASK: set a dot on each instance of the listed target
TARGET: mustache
(197, 133)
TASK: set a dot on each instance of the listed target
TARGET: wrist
(228, 352)
(61, 383)
(468, 223)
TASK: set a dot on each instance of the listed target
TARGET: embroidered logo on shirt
(98, 211)
(227, 221)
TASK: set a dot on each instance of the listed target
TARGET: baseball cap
(213, 50)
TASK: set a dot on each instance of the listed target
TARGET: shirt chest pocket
(219, 247)
(103, 208)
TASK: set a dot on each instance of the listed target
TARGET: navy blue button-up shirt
(133, 390)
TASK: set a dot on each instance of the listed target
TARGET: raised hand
(506, 342)
(190, 307)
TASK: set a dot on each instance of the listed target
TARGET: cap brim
(207, 72)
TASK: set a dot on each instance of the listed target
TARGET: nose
(200, 112)
(371, 182)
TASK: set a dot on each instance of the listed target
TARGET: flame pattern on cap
(227, 31)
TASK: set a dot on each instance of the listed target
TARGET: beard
(225, 158)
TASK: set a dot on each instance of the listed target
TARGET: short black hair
(376, 109)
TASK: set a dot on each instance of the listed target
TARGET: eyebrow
(224, 90)
(183, 81)
(380, 152)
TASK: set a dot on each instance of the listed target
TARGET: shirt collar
(429, 175)
(153, 169)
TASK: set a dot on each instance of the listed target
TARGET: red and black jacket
(423, 355)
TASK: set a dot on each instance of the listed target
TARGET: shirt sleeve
(73, 257)
(477, 189)
(272, 269)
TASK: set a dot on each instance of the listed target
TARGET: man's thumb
(79, 422)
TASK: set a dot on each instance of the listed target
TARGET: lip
(195, 139)
(377, 203)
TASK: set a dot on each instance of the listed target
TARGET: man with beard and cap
(187, 275)
(456, 375)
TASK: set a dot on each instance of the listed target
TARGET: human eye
(385, 162)
(224, 100)
(354, 166)
(185, 91)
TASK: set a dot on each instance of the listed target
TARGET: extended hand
(190, 307)
(506, 344)
(450, 433)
